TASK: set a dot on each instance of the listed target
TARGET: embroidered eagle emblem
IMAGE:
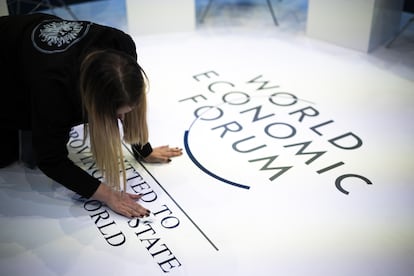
(58, 35)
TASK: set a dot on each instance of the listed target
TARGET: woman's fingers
(163, 154)
(173, 152)
(132, 212)
(134, 196)
(126, 205)
(135, 209)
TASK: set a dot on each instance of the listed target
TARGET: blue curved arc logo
(205, 170)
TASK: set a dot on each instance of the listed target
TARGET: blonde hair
(109, 80)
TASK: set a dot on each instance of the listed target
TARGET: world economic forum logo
(245, 132)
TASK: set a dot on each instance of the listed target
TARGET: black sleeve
(51, 124)
(52, 157)
(141, 152)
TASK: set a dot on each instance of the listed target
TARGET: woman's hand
(163, 154)
(122, 203)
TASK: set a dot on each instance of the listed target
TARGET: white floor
(298, 222)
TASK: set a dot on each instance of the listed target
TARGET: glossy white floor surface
(298, 160)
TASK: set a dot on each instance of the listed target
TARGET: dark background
(26, 6)
(409, 6)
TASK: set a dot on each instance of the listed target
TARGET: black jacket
(40, 58)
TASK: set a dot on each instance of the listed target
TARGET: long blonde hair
(111, 79)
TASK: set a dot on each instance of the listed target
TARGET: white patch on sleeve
(58, 35)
